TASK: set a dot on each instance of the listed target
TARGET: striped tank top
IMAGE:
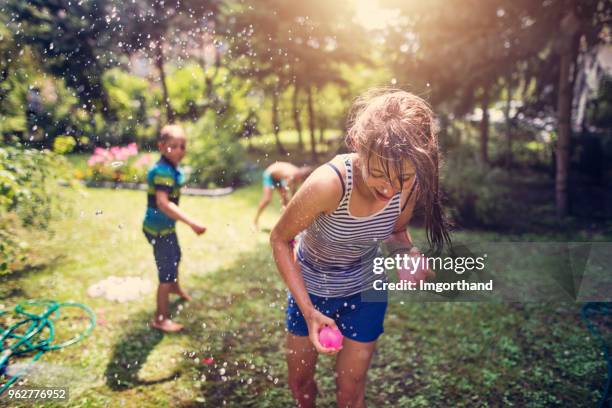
(336, 252)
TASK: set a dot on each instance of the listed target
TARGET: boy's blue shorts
(167, 254)
(269, 181)
(359, 317)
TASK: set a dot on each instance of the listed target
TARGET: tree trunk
(321, 122)
(509, 85)
(159, 62)
(296, 116)
(276, 122)
(568, 48)
(209, 90)
(311, 125)
(484, 128)
(444, 136)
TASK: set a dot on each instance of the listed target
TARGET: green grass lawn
(432, 354)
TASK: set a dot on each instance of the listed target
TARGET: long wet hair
(392, 126)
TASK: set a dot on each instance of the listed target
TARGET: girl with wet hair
(344, 211)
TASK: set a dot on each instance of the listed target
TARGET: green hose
(13, 344)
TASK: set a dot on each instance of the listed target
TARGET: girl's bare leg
(301, 361)
(351, 369)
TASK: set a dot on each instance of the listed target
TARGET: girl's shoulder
(324, 185)
(339, 162)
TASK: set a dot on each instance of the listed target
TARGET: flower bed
(124, 168)
(118, 164)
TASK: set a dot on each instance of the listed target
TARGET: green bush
(214, 153)
(28, 196)
(478, 195)
(64, 144)
(134, 105)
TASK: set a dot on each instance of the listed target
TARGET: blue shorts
(167, 254)
(269, 181)
(357, 318)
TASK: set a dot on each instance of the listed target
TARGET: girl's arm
(400, 241)
(400, 236)
(321, 193)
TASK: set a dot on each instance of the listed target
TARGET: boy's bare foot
(166, 325)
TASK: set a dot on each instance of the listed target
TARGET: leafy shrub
(477, 194)
(214, 153)
(134, 105)
(64, 144)
(29, 196)
(12, 250)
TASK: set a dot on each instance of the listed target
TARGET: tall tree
(462, 45)
(152, 25)
(75, 41)
(295, 110)
(299, 43)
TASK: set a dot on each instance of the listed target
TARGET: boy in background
(165, 180)
(283, 177)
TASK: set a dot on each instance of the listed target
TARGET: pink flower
(115, 150)
(95, 159)
(132, 149)
(120, 154)
(116, 154)
(143, 160)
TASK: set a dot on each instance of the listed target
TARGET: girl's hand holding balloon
(330, 338)
(319, 324)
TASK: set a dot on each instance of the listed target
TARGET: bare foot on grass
(166, 325)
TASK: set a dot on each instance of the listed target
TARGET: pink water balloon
(330, 338)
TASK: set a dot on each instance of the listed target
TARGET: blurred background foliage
(522, 91)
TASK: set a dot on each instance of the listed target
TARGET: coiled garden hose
(15, 341)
